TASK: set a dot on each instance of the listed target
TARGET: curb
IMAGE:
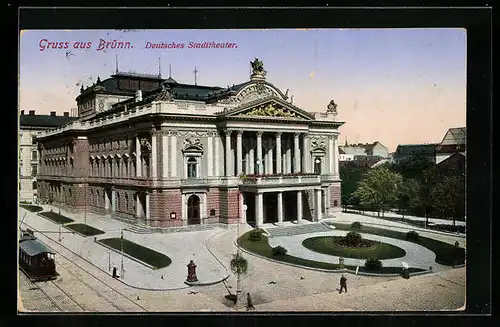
(127, 255)
(345, 270)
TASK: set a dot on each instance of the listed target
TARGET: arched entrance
(193, 210)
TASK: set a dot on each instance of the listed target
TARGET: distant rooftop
(52, 120)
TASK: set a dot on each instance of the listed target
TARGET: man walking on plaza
(343, 284)
(249, 303)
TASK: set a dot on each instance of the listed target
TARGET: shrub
(351, 239)
(373, 264)
(356, 225)
(279, 251)
(255, 234)
(412, 235)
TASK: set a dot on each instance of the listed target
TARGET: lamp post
(122, 268)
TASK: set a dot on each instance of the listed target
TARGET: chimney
(138, 96)
(52, 113)
(66, 114)
(32, 112)
(22, 112)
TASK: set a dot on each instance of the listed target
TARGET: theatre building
(161, 153)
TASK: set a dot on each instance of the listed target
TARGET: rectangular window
(34, 155)
(33, 140)
(34, 170)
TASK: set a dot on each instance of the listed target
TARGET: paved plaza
(181, 247)
(274, 286)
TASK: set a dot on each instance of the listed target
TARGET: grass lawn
(329, 245)
(31, 207)
(85, 230)
(446, 254)
(263, 248)
(57, 218)
(144, 254)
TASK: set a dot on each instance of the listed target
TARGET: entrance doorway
(193, 210)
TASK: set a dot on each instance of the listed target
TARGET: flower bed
(141, 253)
(55, 217)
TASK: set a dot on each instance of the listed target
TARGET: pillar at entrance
(259, 152)
(278, 153)
(239, 153)
(280, 207)
(318, 210)
(296, 153)
(228, 154)
(113, 200)
(154, 160)
(299, 207)
(259, 209)
(138, 206)
(148, 215)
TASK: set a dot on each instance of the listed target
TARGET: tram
(36, 260)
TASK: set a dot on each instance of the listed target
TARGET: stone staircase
(142, 229)
(298, 229)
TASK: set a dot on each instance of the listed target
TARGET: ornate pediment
(270, 110)
(192, 144)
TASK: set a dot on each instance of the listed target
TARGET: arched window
(34, 185)
(126, 202)
(335, 203)
(192, 167)
(317, 165)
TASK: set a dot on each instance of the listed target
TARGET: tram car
(36, 260)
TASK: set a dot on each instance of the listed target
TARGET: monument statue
(258, 67)
(332, 107)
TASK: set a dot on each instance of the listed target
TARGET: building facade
(454, 141)
(368, 151)
(30, 127)
(166, 154)
(406, 152)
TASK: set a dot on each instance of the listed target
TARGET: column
(305, 154)
(147, 206)
(288, 156)
(278, 154)
(330, 155)
(326, 202)
(184, 207)
(270, 159)
(173, 154)
(336, 155)
(259, 152)
(203, 208)
(228, 154)
(296, 153)
(280, 207)
(259, 209)
(247, 163)
(217, 153)
(299, 207)
(239, 150)
(318, 210)
(106, 200)
(138, 160)
(165, 156)
(138, 206)
(209, 155)
(113, 200)
(154, 162)
(251, 161)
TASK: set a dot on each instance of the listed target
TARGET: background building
(454, 141)
(31, 126)
(407, 152)
(164, 153)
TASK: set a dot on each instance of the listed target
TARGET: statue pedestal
(257, 77)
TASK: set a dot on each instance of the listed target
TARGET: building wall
(335, 197)
(27, 164)
(380, 150)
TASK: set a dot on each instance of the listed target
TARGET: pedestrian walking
(114, 272)
(343, 284)
(249, 303)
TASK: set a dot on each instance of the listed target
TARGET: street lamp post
(122, 268)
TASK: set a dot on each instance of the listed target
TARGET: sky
(395, 86)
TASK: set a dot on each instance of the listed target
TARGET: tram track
(112, 297)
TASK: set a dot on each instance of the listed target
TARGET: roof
(341, 151)
(411, 149)
(44, 120)
(34, 247)
(455, 136)
(451, 148)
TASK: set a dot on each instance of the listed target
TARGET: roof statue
(332, 107)
(258, 67)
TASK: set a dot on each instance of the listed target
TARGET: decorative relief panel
(271, 111)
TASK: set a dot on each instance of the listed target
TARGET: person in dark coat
(249, 303)
(343, 284)
(114, 272)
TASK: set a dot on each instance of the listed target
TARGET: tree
(380, 188)
(448, 197)
(239, 266)
(409, 195)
